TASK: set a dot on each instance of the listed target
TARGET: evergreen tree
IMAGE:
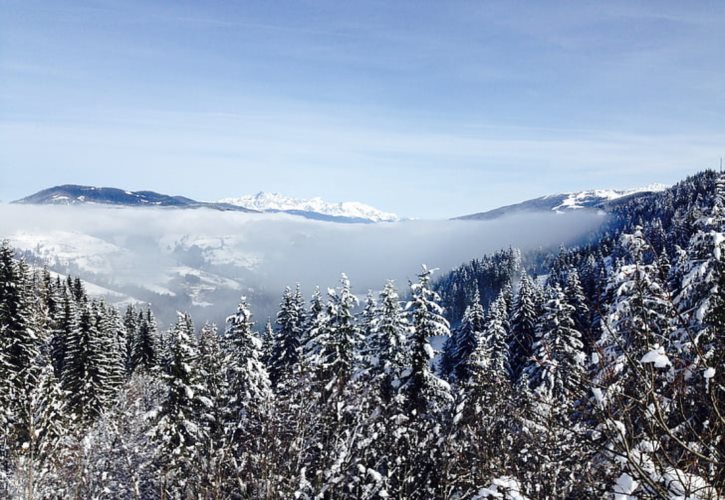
(467, 337)
(86, 375)
(145, 353)
(523, 326)
(387, 343)
(336, 339)
(19, 341)
(557, 371)
(66, 323)
(248, 380)
(425, 392)
(131, 323)
(287, 349)
(178, 430)
(495, 335)
(575, 297)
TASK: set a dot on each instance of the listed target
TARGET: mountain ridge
(592, 199)
(315, 209)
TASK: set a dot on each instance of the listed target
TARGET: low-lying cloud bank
(197, 253)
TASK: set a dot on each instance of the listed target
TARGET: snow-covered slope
(274, 202)
(592, 199)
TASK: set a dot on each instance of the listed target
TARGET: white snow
(656, 356)
(598, 395)
(273, 201)
(624, 487)
(582, 199)
(505, 487)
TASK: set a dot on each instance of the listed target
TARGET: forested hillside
(592, 371)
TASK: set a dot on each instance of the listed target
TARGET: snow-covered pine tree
(387, 343)
(286, 350)
(46, 426)
(336, 339)
(178, 430)
(523, 325)
(248, 400)
(145, 352)
(113, 337)
(495, 335)
(425, 392)
(213, 394)
(633, 389)
(212, 366)
(86, 376)
(20, 343)
(131, 323)
(557, 370)
(424, 398)
(481, 422)
(576, 298)
(467, 337)
(248, 381)
(66, 322)
(368, 315)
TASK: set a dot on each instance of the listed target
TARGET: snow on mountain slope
(274, 202)
(593, 199)
(59, 248)
(585, 199)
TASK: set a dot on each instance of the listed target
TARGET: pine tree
(249, 391)
(495, 335)
(86, 375)
(336, 339)
(467, 338)
(575, 297)
(66, 323)
(482, 417)
(213, 394)
(46, 427)
(425, 392)
(558, 368)
(145, 353)
(113, 338)
(212, 365)
(19, 341)
(287, 349)
(178, 430)
(523, 326)
(387, 343)
(130, 322)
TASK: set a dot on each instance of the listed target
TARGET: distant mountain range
(316, 208)
(597, 199)
(274, 202)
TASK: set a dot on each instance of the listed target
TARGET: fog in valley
(204, 260)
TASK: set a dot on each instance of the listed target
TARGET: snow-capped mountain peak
(275, 202)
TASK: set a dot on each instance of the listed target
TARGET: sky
(427, 109)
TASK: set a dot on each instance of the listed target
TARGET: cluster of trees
(603, 375)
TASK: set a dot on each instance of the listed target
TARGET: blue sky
(427, 109)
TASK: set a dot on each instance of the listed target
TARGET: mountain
(72, 194)
(596, 199)
(315, 208)
(312, 208)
